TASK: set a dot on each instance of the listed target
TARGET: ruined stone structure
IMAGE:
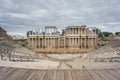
(4, 36)
(74, 39)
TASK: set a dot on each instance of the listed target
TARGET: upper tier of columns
(77, 30)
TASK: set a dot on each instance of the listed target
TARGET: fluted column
(42, 42)
(78, 42)
(54, 40)
(35, 42)
(79, 31)
(72, 30)
(88, 43)
(67, 42)
(45, 43)
(32, 41)
(38, 42)
(81, 43)
(75, 30)
(85, 43)
(64, 42)
(70, 42)
(58, 42)
(29, 41)
(75, 42)
(95, 41)
(50, 42)
(92, 42)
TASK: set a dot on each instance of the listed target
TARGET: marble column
(78, 42)
(50, 41)
(64, 42)
(58, 42)
(81, 43)
(45, 43)
(75, 42)
(38, 42)
(70, 42)
(72, 30)
(85, 42)
(88, 43)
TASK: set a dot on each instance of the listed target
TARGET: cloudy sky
(18, 16)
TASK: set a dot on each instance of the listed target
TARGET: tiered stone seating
(109, 52)
(5, 51)
(14, 52)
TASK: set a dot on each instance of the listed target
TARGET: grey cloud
(15, 14)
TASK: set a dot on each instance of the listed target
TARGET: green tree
(106, 34)
(117, 33)
(29, 32)
(63, 32)
(98, 31)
